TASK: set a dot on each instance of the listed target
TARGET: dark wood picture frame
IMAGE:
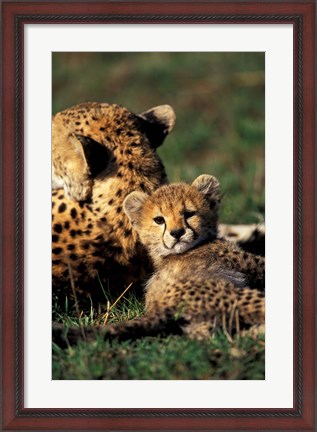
(301, 14)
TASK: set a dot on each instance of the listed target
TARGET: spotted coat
(94, 237)
(200, 281)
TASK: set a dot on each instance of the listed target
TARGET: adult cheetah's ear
(132, 206)
(158, 122)
(97, 155)
(209, 186)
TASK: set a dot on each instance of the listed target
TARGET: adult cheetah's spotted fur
(102, 152)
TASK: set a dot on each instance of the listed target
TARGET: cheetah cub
(200, 281)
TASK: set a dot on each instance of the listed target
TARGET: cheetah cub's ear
(209, 186)
(133, 204)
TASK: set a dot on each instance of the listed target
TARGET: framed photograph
(239, 78)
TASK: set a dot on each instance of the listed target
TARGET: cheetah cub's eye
(189, 213)
(159, 220)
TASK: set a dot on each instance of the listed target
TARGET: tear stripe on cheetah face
(212, 283)
(95, 236)
(87, 128)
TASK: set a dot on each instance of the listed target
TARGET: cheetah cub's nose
(177, 233)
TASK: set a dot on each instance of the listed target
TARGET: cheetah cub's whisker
(199, 279)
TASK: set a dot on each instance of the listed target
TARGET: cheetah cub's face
(176, 217)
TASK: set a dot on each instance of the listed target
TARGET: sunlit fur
(183, 207)
(100, 153)
(200, 281)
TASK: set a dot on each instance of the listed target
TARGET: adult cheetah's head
(114, 125)
(104, 137)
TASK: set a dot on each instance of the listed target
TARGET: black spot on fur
(58, 228)
(73, 213)
(55, 238)
(127, 232)
(57, 251)
(73, 233)
(110, 202)
(66, 225)
(73, 256)
(71, 247)
(62, 208)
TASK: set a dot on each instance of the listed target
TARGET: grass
(159, 358)
(128, 307)
(172, 357)
(219, 100)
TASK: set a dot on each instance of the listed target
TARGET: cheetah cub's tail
(134, 329)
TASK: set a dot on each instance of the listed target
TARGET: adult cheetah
(102, 152)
